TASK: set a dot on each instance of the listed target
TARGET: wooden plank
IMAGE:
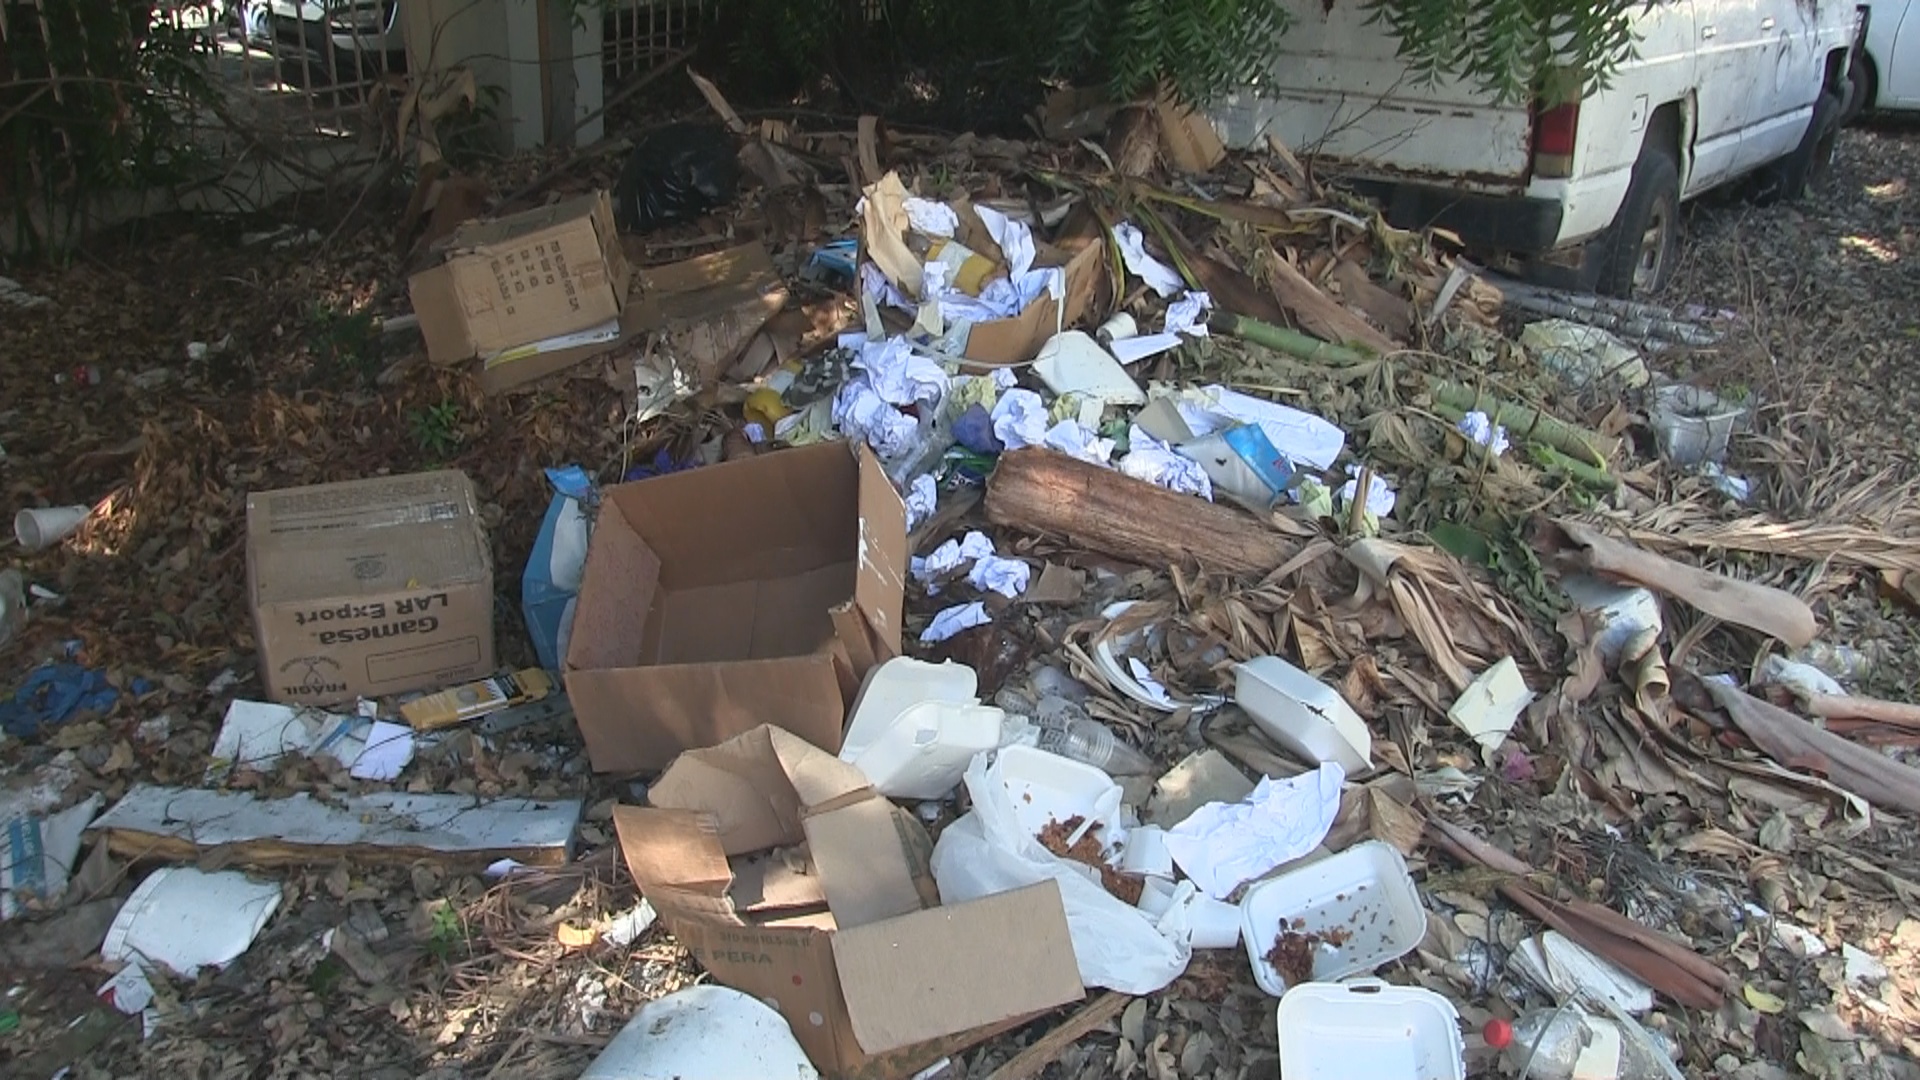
(1029, 1062)
(1041, 491)
(235, 827)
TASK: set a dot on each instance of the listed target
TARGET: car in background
(327, 42)
(1885, 75)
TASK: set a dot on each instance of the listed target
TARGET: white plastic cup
(1156, 896)
(1118, 328)
(1146, 852)
(44, 526)
(1216, 923)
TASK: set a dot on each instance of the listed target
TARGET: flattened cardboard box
(875, 977)
(369, 587)
(520, 279)
(752, 592)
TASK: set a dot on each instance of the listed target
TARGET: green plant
(1518, 49)
(447, 932)
(436, 428)
(95, 96)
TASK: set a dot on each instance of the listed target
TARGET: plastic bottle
(1083, 738)
(1546, 1044)
(1845, 663)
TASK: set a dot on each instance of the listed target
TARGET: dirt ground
(106, 399)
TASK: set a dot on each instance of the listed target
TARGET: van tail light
(1554, 132)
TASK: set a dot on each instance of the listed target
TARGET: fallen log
(1041, 491)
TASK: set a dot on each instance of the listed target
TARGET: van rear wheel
(1638, 251)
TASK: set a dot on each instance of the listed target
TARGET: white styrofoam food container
(1366, 1028)
(1363, 893)
(1047, 787)
(1303, 714)
(894, 686)
(925, 752)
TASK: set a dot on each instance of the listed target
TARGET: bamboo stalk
(1528, 423)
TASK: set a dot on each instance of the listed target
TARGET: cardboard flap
(879, 588)
(442, 324)
(902, 978)
(693, 705)
(741, 786)
(621, 577)
(755, 786)
(776, 882)
(867, 856)
(671, 848)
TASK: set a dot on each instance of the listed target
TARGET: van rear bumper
(1512, 223)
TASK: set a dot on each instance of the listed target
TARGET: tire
(1638, 252)
(1807, 166)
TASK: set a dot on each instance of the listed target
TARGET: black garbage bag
(675, 173)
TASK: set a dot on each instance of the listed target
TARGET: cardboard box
(996, 342)
(845, 936)
(369, 587)
(752, 592)
(520, 279)
(707, 309)
(1001, 342)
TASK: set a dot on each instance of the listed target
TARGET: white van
(1585, 194)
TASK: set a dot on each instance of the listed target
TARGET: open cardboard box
(790, 879)
(997, 342)
(521, 278)
(752, 592)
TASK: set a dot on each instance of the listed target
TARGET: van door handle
(1707, 32)
(1766, 23)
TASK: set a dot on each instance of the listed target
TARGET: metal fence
(638, 34)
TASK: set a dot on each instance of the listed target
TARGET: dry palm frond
(1682, 527)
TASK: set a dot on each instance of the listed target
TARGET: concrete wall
(500, 40)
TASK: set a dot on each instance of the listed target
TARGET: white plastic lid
(1367, 1028)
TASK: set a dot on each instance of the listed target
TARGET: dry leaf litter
(171, 374)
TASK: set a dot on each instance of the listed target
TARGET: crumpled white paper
(1380, 494)
(1155, 462)
(1008, 577)
(1019, 419)
(953, 620)
(1072, 438)
(895, 372)
(930, 218)
(1479, 427)
(1223, 845)
(860, 413)
(1188, 315)
(923, 493)
(1160, 277)
(950, 556)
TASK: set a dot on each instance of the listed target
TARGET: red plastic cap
(1498, 1033)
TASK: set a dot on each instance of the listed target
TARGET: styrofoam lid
(1367, 1028)
(703, 1033)
(187, 919)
